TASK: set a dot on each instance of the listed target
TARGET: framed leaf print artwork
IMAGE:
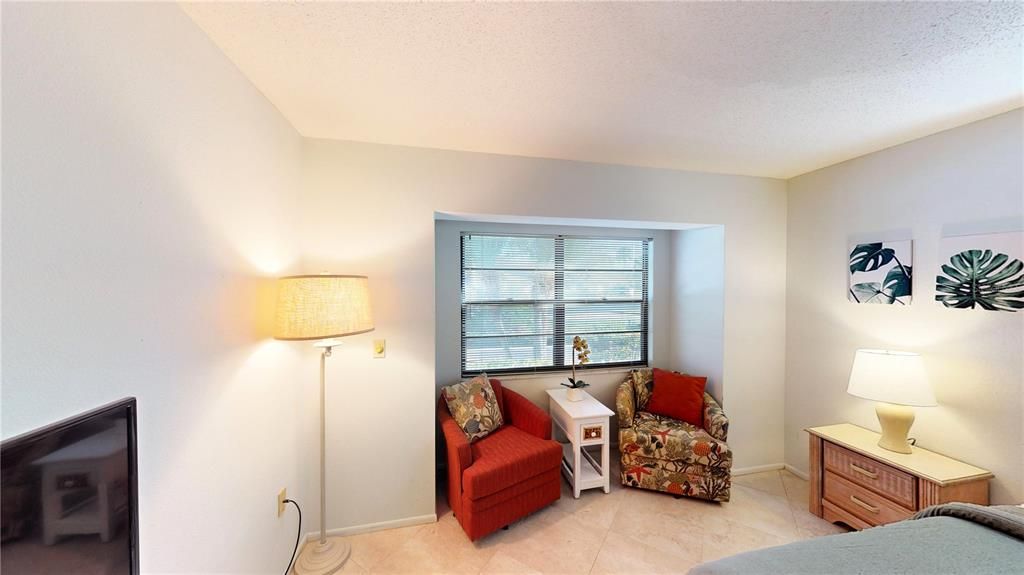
(982, 271)
(881, 273)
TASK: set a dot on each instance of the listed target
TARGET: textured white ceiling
(767, 89)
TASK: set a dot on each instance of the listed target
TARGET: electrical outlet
(378, 348)
(281, 496)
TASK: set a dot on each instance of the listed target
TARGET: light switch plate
(378, 348)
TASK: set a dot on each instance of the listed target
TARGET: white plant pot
(575, 394)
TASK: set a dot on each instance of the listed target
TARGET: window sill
(562, 374)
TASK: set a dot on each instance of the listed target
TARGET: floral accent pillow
(473, 406)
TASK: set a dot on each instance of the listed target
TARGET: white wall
(148, 193)
(370, 208)
(965, 179)
(603, 382)
(697, 299)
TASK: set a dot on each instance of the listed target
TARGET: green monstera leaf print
(896, 284)
(869, 292)
(870, 257)
(897, 281)
(981, 278)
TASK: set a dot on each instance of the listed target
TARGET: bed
(948, 539)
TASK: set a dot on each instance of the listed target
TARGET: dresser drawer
(897, 485)
(863, 503)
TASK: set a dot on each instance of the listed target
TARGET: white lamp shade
(322, 307)
(890, 376)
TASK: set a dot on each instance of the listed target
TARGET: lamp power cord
(298, 535)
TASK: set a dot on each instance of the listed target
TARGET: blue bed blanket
(950, 539)
(1008, 519)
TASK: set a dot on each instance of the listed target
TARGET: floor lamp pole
(323, 442)
(330, 553)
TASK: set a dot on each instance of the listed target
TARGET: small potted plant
(582, 354)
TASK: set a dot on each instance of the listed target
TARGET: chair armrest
(523, 414)
(460, 455)
(715, 421)
(625, 404)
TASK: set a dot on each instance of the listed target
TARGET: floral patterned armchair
(664, 454)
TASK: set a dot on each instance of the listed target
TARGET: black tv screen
(70, 496)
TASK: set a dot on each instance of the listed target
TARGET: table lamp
(322, 308)
(897, 381)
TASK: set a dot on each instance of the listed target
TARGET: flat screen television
(70, 496)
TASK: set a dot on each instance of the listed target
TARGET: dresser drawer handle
(870, 508)
(863, 471)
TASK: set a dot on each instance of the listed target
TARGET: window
(525, 297)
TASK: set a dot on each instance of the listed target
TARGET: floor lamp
(322, 308)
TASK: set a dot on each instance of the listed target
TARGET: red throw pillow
(678, 396)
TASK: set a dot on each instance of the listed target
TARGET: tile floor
(625, 531)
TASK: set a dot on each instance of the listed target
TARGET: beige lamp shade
(890, 376)
(322, 307)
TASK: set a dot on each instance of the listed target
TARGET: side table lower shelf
(591, 472)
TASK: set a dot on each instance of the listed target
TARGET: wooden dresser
(856, 482)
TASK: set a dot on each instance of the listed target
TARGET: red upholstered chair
(507, 475)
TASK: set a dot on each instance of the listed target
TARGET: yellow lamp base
(322, 558)
(895, 421)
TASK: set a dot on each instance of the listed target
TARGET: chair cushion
(666, 438)
(678, 396)
(474, 406)
(713, 483)
(506, 457)
(515, 492)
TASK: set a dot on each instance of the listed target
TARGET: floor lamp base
(322, 558)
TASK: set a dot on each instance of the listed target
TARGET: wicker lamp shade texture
(313, 307)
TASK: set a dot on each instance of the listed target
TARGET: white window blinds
(525, 297)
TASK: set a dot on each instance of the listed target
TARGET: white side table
(585, 423)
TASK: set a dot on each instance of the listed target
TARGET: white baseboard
(797, 472)
(368, 527)
(757, 469)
